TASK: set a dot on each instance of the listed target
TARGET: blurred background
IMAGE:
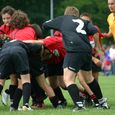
(40, 10)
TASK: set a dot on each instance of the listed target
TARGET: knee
(67, 82)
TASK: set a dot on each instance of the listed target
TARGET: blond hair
(71, 11)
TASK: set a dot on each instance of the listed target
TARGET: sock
(74, 93)
(95, 100)
(83, 94)
(37, 91)
(7, 91)
(34, 98)
(26, 92)
(17, 98)
(40, 93)
(54, 100)
(94, 86)
(64, 88)
(12, 89)
(1, 88)
(59, 94)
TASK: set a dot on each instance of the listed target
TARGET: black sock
(94, 98)
(74, 93)
(37, 91)
(16, 98)
(59, 94)
(12, 89)
(7, 91)
(94, 86)
(54, 100)
(1, 88)
(64, 88)
(26, 92)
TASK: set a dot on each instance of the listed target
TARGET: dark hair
(38, 30)
(86, 14)
(8, 9)
(19, 20)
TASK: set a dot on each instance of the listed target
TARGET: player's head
(38, 30)
(71, 11)
(111, 5)
(6, 14)
(19, 19)
(85, 16)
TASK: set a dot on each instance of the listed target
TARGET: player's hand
(56, 53)
(106, 35)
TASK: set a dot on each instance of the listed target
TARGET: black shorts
(54, 69)
(36, 66)
(13, 60)
(78, 61)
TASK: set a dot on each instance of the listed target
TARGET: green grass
(108, 88)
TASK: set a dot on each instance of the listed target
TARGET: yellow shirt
(111, 22)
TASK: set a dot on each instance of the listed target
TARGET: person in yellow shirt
(111, 19)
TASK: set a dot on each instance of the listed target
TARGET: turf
(108, 87)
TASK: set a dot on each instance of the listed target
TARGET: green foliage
(98, 9)
(39, 10)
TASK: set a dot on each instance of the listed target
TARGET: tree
(98, 9)
(39, 10)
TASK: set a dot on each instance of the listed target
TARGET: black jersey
(17, 56)
(14, 43)
(75, 32)
(31, 49)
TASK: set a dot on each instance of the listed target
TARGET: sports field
(108, 88)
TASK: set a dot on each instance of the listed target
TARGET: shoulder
(28, 29)
(3, 26)
(110, 17)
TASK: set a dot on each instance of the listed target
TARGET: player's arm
(98, 45)
(34, 41)
(97, 41)
(92, 30)
(53, 24)
(108, 34)
(96, 61)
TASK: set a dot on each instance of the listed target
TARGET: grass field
(108, 88)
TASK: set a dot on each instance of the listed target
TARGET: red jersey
(91, 39)
(4, 29)
(55, 45)
(27, 33)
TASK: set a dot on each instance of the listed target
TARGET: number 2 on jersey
(80, 26)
